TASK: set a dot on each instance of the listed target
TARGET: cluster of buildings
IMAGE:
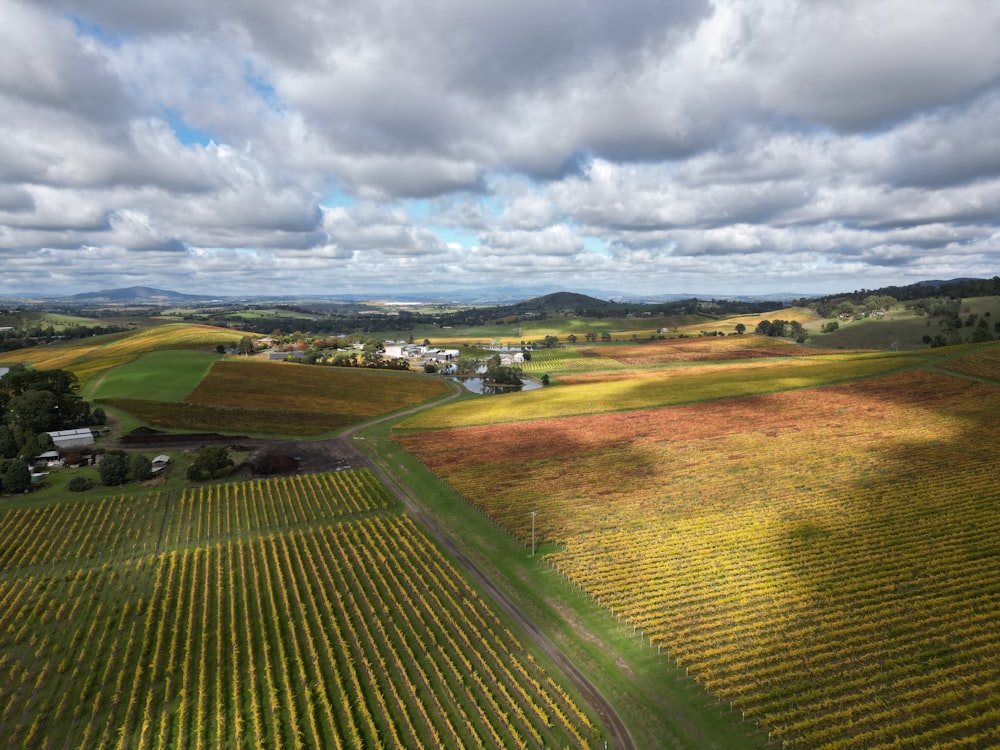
(419, 351)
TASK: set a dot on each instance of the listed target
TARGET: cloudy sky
(366, 146)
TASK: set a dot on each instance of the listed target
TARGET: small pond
(476, 385)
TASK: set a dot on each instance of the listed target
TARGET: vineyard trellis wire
(304, 611)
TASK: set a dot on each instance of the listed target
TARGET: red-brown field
(699, 349)
(982, 364)
(824, 558)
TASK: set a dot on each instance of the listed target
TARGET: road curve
(618, 734)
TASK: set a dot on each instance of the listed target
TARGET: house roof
(65, 438)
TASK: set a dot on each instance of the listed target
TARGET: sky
(371, 146)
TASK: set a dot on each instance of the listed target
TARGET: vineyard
(597, 392)
(284, 399)
(824, 561)
(702, 349)
(982, 364)
(89, 357)
(299, 612)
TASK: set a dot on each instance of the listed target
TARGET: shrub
(79, 484)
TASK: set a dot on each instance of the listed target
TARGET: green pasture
(900, 328)
(156, 376)
(45, 319)
(667, 387)
(645, 324)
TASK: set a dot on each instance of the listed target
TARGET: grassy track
(661, 707)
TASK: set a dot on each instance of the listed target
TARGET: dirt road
(618, 734)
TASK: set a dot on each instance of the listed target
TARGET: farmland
(747, 540)
(280, 398)
(597, 392)
(822, 560)
(305, 611)
(90, 357)
(170, 375)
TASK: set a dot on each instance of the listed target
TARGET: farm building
(72, 438)
(160, 463)
(51, 458)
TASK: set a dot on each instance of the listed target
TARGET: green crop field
(300, 612)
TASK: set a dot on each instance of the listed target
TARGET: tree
(571, 338)
(17, 477)
(740, 328)
(499, 374)
(210, 460)
(845, 309)
(141, 468)
(114, 469)
(30, 447)
(33, 410)
(545, 379)
(245, 346)
(8, 447)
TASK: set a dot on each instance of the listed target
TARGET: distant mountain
(135, 295)
(564, 301)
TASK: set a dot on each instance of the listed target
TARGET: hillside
(134, 295)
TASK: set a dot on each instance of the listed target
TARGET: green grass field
(160, 376)
(899, 328)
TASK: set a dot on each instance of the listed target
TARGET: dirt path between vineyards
(618, 734)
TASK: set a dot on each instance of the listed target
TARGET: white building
(72, 438)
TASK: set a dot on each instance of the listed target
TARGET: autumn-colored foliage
(597, 392)
(825, 559)
(984, 363)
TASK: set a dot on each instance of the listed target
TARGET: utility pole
(533, 514)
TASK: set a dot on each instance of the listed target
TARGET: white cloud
(794, 143)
